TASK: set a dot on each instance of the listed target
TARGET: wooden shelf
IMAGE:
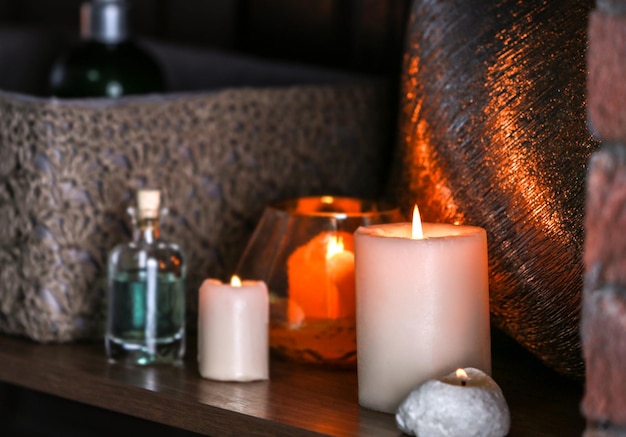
(297, 401)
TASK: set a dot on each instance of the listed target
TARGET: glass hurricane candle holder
(304, 250)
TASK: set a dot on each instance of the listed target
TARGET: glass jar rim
(333, 206)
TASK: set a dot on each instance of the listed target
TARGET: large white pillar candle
(422, 307)
(233, 322)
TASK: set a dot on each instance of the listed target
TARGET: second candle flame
(416, 228)
(335, 246)
(235, 281)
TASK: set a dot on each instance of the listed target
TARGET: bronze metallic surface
(492, 133)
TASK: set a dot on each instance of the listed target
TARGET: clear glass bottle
(107, 62)
(146, 292)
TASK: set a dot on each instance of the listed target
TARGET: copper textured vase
(492, 132)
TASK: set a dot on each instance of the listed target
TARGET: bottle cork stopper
(148, 203)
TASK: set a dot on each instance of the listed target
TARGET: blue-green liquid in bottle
(146, 318)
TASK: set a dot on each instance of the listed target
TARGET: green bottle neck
(104, 21)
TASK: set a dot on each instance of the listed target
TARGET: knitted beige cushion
(69, 170)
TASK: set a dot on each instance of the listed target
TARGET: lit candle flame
(462, 375)
(335, 246)
(416, 229)
(235, 281)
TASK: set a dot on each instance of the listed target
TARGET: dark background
(358, 35)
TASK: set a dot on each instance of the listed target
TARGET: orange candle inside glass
(321, 278)
(304, 250)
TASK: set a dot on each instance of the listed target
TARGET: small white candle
(422, 307)
(465, 402)
(233, 330)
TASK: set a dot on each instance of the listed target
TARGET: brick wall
(604, 298)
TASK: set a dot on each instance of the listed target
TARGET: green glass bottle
(107, 62)
(146, 292)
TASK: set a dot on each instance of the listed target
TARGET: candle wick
(463, 382)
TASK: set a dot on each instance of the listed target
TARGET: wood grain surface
(297, 401)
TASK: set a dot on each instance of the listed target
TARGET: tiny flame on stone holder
(465, 402)
(462, 375)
